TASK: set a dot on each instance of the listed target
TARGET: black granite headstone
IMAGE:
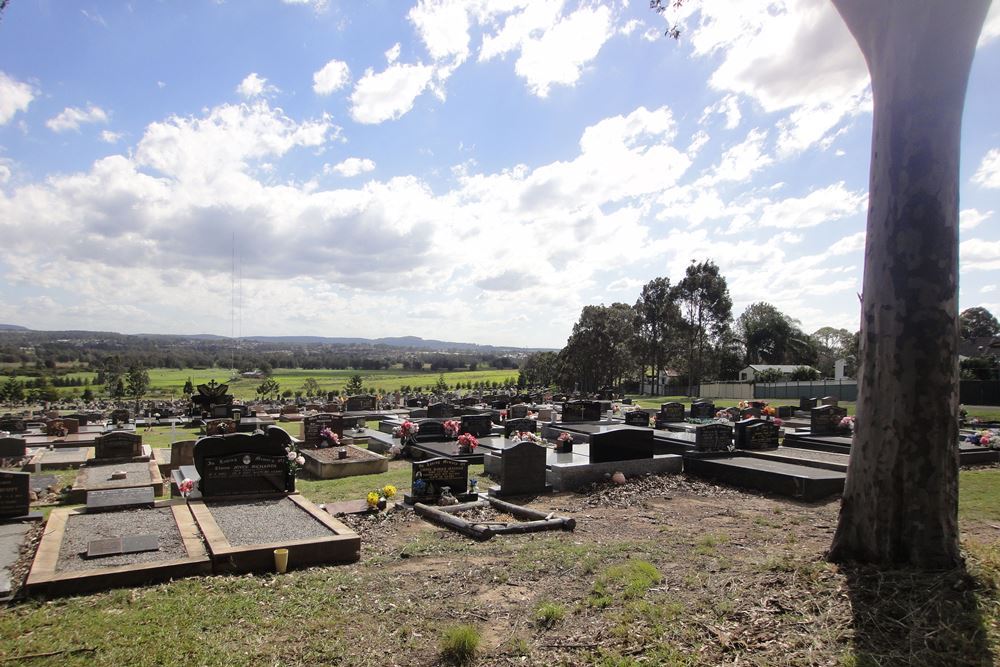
(15, 499)
(739, 431)
(522, 470)
(761, 435)
(621, 444)
(439, 410)
(359, 404)
(825, 420)
(413, 402)
(480, 426)
(702, 410)
(581, 411)
(519, 411)
(512, 425)
(13, 425)
(117, 445)
(713, 437)
(786, 411)
(671, 413)
(637, 418)
(807, 403)
(244, 464)
(13, 448)
(430, 476)
(311, 426)
(431, 430)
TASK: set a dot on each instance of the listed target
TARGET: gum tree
(900, 502)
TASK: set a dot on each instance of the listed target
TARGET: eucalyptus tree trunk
(900, 502)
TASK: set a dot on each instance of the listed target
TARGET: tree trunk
(900, 502)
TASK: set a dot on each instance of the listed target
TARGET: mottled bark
(900, 503)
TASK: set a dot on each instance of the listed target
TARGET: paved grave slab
(117, 546)
(786, 479)
(113, 499)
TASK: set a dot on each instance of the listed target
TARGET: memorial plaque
(519, 411)
(360, 404)
(13, 448)
(311, 426)
(479, 425)
(440, 410)
(522, 470)
(116, 546)
(499, 405)
(430, 476)
(15, 498)
(111, 499)
(762, 435)
(624, 443)
(512, 425)
(244, 464)
(825, 419)
(671, 413)
(117, 445)
(713, 437)
(703, 410)
(637, 418)
(182, 453)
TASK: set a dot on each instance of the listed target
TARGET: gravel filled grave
(265, 521)
(82, 528)
(99, 477)
(330, 455)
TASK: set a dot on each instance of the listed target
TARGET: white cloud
(970, 218)
(255, 86)
(109, 137)
(392, 55)
(848, 244)
(991, 28)
(5, 173)
(72, 118)
(161, 84)
(830, 204)
(443, 26)
(630, 27)
(319, 6)
(331, 77)
(14, 96)
(979, 255)
(729, 107)
(352, 166)
(741, 161)
(390, 93)
(988, 174)
(986, 289)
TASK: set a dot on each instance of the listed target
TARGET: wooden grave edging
(78, 493)
(44, 578)
(533, 520)
(343, 546)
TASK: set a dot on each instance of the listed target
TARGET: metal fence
(979, 392)
(971, 392)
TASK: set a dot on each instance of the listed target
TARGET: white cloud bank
(71, 118)
(15, 96)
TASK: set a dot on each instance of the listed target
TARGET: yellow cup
(281, 560)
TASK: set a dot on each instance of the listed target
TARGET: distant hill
(13, 327)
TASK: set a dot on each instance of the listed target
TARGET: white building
(749, 374)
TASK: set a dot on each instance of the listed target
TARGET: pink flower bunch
(451, 427)
(847, 422)
(407, 429)
(185, 487)
(565, 438)
(778, 421)
(524, 436)
(468, 440)
(328, 434)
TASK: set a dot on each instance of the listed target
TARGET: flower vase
(464, 449)
(382, 503)
(564, 448)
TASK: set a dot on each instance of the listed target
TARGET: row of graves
(235, 509)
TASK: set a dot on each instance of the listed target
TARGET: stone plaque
(825, 420)
(519, 411)
(360, 404)
(311, 426)
(13, 448)
(637, 418)
(624, 443)
(762, 435)
(118, 445)
(512, 425)
(430, 430)
(522, 470)
(111, 499)
(480, 426)
(182, 453)
(713, 437)
(430, 476)
(581, 411)
(671, 413)
(703, 410)
(116, 546)
(244, 464)
(14, 494)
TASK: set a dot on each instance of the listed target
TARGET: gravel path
(265, 521)
(82, 528)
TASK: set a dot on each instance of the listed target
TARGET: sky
(466, 170)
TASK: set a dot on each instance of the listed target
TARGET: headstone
(713, 437)
(671, 413)
(825, 419)
(480, 426)
(15, 497)
(244, 464)
(545, 414)
(785, 411)
(311, 426)
(13, 425)
(439, 410)
(621, 444)
(413, 402)
(753, 411)
(637, 418)
(519, 411)
(289, 409)
(512, 425)
(581, 411)
(117, 445)
(430, 430)
(360, 404)
(116, 546)
(522, 470)
(807, 403)
(761, 435)
(13, 448)
(499, 405)
(220, 426)
(430, 476)
(119, 417)
(182, 453)
(829, 400)
(113, 499)
(702, 410)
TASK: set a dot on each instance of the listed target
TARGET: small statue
(446, 497)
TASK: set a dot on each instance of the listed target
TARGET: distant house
(659, 386)
(984, 346)
(749, 373)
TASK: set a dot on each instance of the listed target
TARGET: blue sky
(474, 170)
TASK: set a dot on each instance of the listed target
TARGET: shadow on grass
(905, 617)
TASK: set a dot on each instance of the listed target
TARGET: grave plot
(248, 507)
(482, 519)
(116, 476)
(787, 479)
(83, 551)
(64, 458)
(345, 461)
(608, 449)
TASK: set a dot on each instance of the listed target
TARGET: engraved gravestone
(430, 476)
(117, 445)
(522, 470)
(512, 425)
(807, 403)
(740, 440)
(637, 418)
(13, 448)
(785, 411)
(671, 413)
(311, 427)
(761, 435)
(825, 419)
(439, 410)
(624, 443)
(15, 498)
(713, 437)
(244, 464)
(480, 425)
(518, 411)
(359, 404)
(13, 425)
(430, 430)
(702, 410)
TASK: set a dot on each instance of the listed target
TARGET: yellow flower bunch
(372, 499)
(389, 491)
